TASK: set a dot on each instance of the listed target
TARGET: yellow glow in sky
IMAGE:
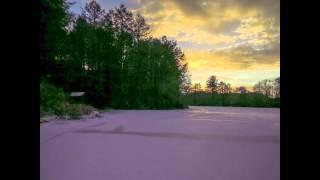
(236, 40)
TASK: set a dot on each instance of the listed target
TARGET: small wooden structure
(77, 94)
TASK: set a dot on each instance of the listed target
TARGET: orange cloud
(237, 40)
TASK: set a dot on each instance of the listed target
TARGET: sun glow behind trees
(110, 56)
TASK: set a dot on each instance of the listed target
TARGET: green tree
(264, 87)
(223, 88)
(241, 90)
(140, 28)
(277, 87)
(111, 58)
(54, 18)
(212, 84)
(93, 13)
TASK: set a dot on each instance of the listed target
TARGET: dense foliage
(231, 99)
(266, 93)
(110, 56)
(53, 100)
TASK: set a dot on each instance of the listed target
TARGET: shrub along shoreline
(55, 102)
(231, 99)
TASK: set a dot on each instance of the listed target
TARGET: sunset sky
(236, 40)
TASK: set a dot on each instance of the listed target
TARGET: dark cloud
(192, 7)
(153, 6)
(270, 8)
(246, 55)
(255, 3)
(225, 27)
(196, 7)
(189, 7)
(216, 9)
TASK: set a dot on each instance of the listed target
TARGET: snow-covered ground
(200, 143)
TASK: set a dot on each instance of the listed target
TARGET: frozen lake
(199, 143)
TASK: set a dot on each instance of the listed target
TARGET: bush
(241, 100)
(86, 110)
(75, 111)
(52, 99)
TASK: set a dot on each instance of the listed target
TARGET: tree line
(265, 93)
(111, 56)
(267, 87)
